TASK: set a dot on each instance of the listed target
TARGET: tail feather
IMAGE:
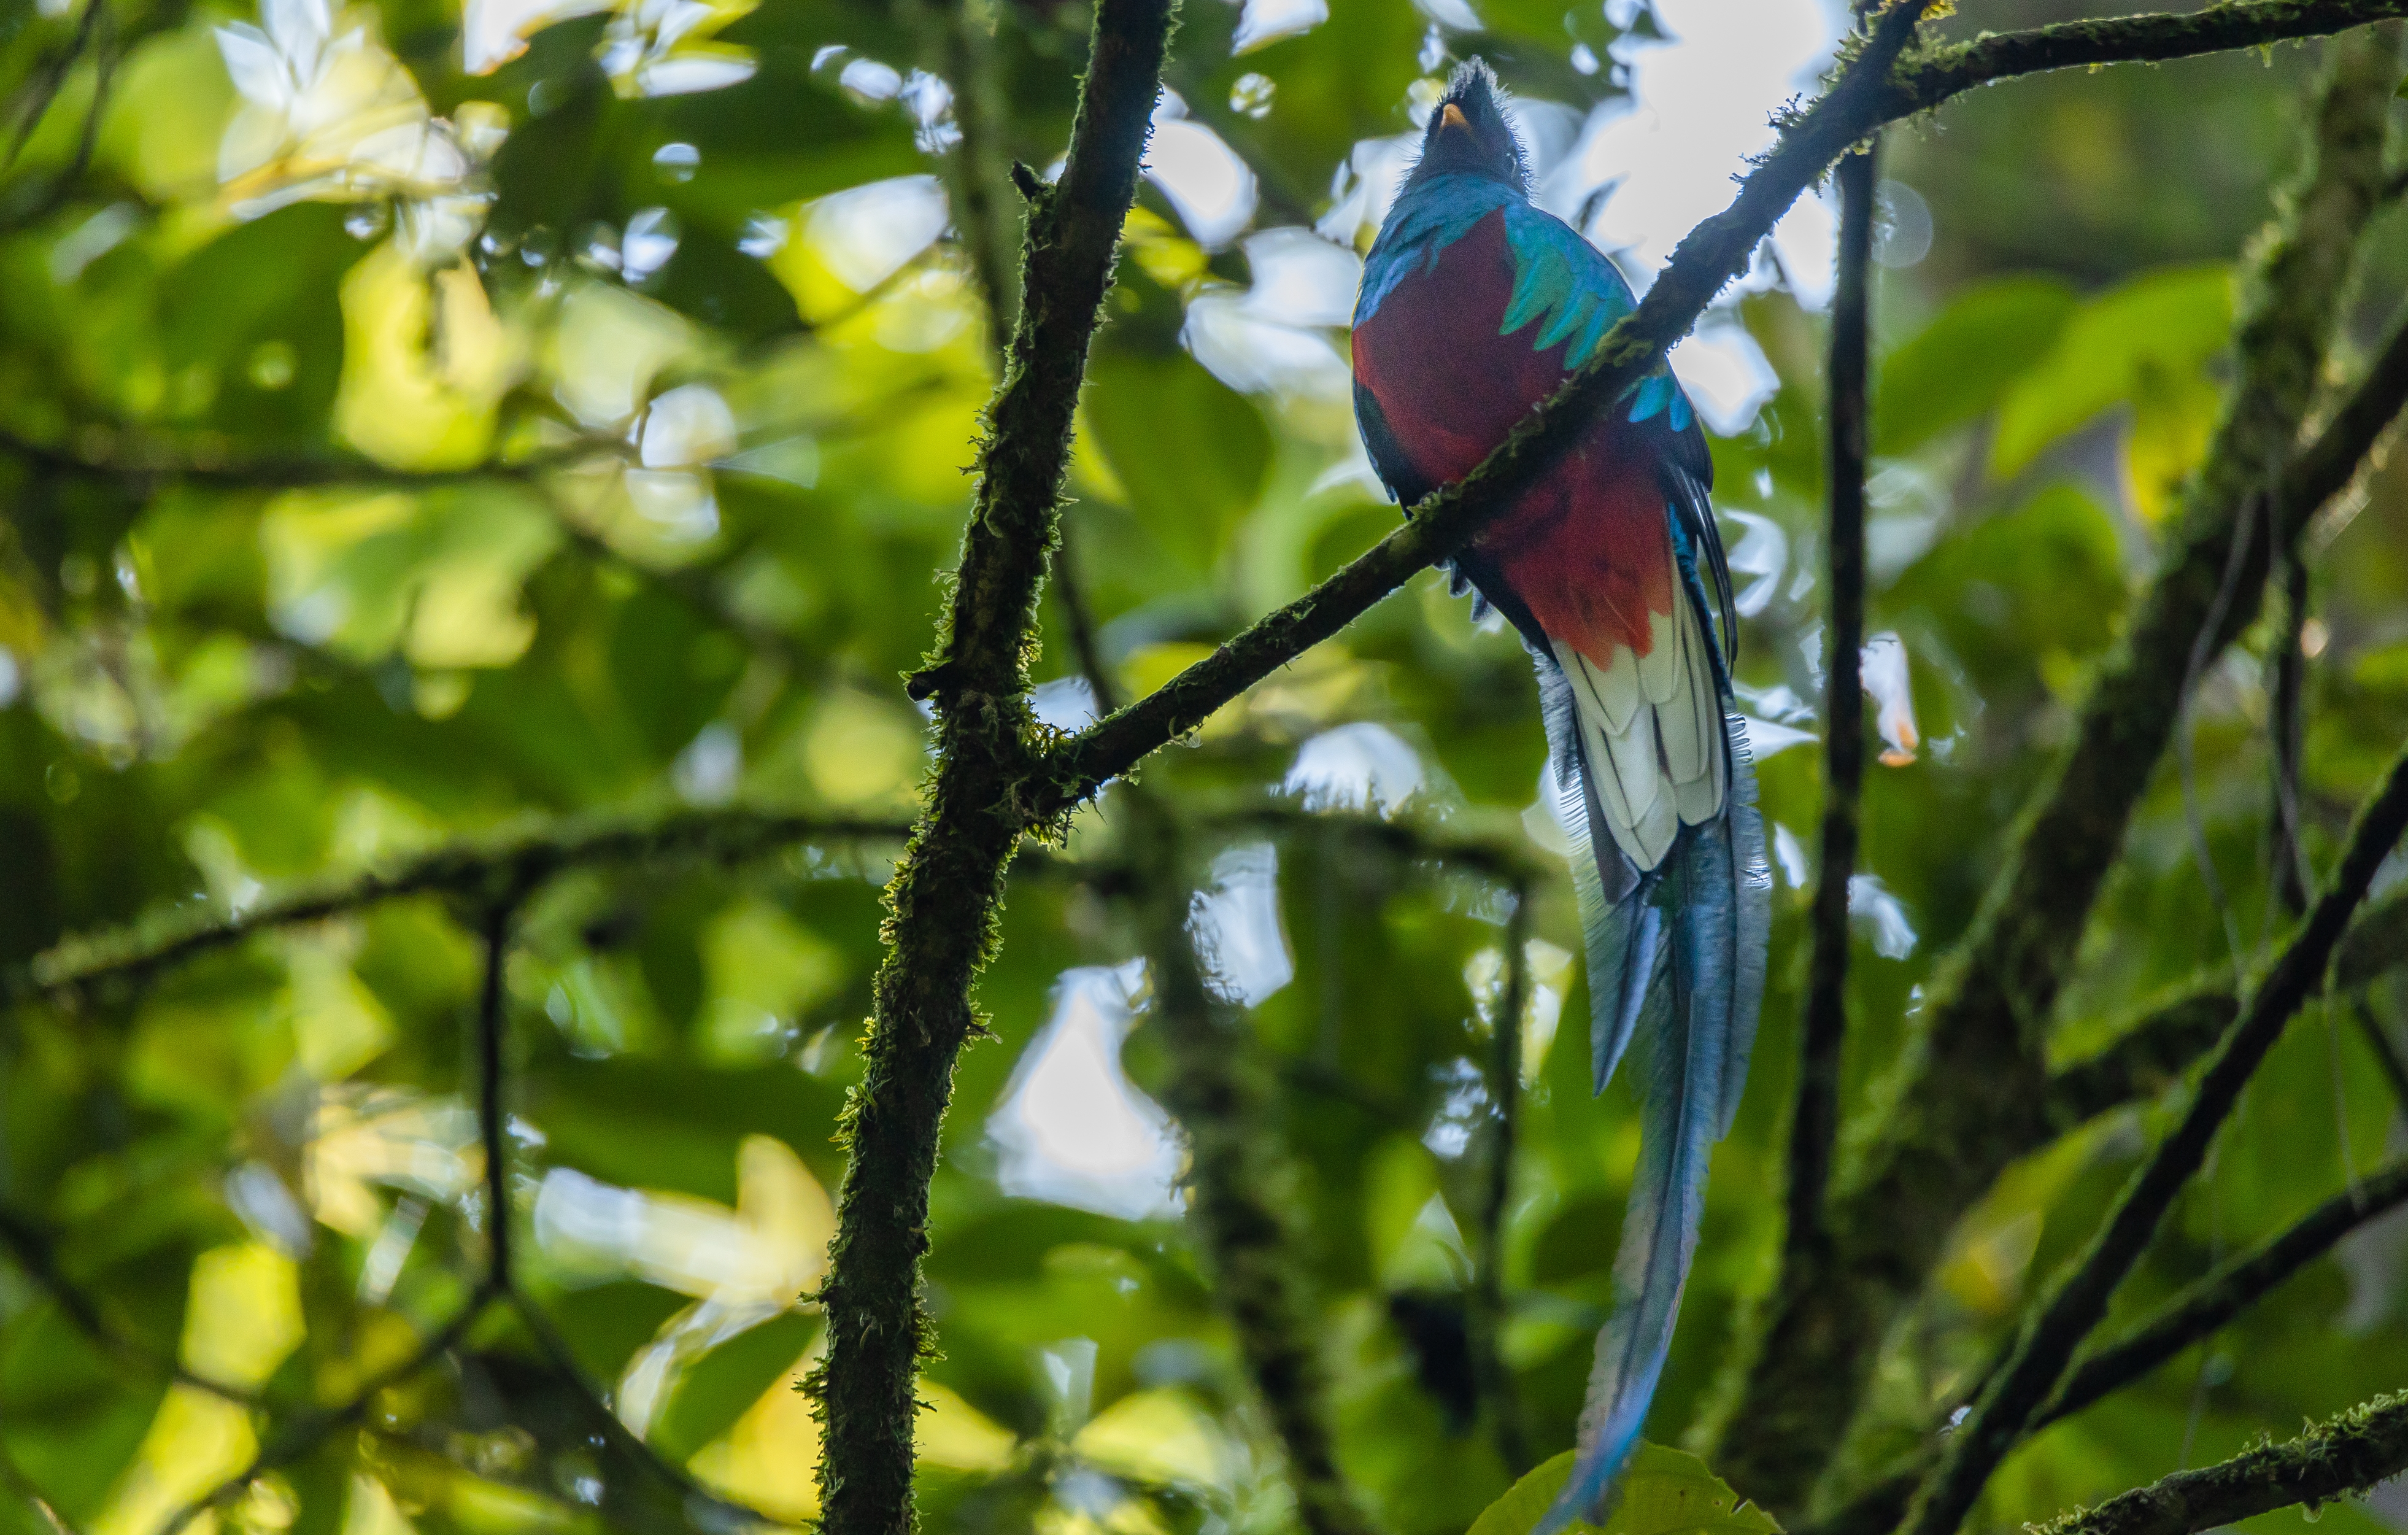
(1681, 950)
(1750, 883)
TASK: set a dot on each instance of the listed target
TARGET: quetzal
(1474, 307)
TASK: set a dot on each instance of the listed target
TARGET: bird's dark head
(1467, 133)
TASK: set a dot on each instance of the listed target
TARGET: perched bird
(1475, 305)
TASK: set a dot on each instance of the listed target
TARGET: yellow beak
(1453, 118)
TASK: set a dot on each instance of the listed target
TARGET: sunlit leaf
(1664, 1492)
(2173, 321)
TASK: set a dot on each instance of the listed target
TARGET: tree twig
(978, 168)
(2349, 1453)
(471, 867)
(2286, 705)
(492, 1125)
(1815, 1122)
(2387, 1055)
(946, 889)
(1085, 647)
(501, 1272)
(2235, 1285)
(307, 1434)
(2075, 1303)
(725, 1512)
(38, 1261)
(97, 33)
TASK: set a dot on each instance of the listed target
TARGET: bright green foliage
(590, 446)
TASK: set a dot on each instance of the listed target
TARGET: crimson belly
(1587, 548)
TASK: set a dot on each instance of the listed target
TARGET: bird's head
(1467, 133)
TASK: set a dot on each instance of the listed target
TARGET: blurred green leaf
(2174, 321)
(1664, 1492)
(1955, 368)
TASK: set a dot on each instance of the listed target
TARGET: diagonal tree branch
(1868, 94)
(2195, 1313)
(2350, 1454)
(2234, 1287)
(37, 1259)
(1814, 1123)
(2172, 1035)
(1966, 1096)
(470, 868)
(945, 892)
(2076, 1302)
(305, 1434)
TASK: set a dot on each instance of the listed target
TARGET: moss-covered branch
(2350, 1454)
(1929, 79)
(944, 897)
(474, 867)
(1240, 1185)
(2074, 1304)
(1968, 1094)
(2230, 1288)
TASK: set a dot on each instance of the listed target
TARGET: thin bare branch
(1814, 1123)
(2075, 1303)
(1239, 1184)
(1499, 1401)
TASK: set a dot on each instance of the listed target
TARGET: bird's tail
(1678, 948)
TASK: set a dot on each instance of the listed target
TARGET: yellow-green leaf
(1665, 1492)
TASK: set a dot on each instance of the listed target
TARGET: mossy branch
(943, 898)
(2193, 1314)
(1968, 1094)
(2346, 1455)
(2224, 1293)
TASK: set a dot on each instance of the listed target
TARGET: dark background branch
(1240, 1185)
(1815, 1122)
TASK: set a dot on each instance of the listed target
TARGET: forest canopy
(726, 800)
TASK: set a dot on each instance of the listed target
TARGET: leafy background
(417, 425)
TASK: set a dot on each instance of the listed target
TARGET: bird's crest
(1469, 133)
